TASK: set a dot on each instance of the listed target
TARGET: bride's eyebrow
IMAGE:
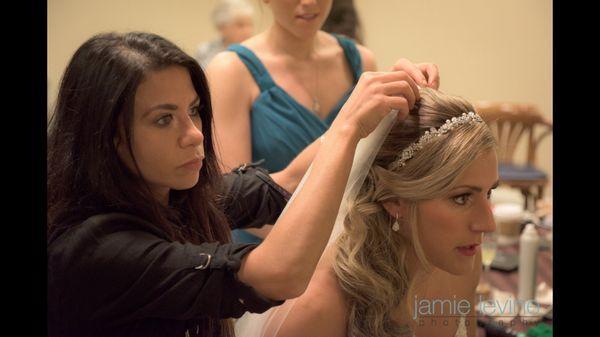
(477, 188)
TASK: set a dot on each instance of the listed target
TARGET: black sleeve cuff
(251, 198)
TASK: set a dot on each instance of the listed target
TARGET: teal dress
(281, 127)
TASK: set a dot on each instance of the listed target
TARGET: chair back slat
(512, 123)
(515, 133)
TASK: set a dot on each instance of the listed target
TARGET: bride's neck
(416, 276)
(412, 263)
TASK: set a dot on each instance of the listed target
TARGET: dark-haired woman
(137, 242)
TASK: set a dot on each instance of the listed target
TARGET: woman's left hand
(424, 74)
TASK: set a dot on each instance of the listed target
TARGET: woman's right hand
(283, 264)
(374, 96)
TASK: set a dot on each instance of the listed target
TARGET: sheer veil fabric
(268, 323)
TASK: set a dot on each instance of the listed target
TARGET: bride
(404, 257)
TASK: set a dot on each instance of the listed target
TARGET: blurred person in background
(233, 20)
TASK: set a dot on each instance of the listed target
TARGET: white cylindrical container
(529, 243)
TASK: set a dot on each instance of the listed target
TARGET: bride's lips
(469, 250)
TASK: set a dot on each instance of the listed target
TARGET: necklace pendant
(316, 105)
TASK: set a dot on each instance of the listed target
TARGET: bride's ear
(396, 208)
(398, 211)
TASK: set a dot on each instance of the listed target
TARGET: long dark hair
(85, 174)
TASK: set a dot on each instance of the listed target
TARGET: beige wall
(71, 22)
(486, 50)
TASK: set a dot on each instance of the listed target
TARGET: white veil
(268, 323)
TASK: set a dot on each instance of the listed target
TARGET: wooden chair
(510, 123)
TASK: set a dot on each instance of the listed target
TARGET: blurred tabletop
(508, 282)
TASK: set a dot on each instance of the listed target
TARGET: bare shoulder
(224, 67)
(368, 58)
(256, 42)
(334, 50)
(226, 63)
(320, 311)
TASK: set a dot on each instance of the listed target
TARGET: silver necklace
(316, 105)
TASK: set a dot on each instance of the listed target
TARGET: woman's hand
(425, 74)
(374, 96)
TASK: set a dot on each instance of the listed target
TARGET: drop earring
(396, 225)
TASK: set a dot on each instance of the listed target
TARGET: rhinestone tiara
(409, 152)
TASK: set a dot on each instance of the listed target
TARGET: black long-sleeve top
(116, 274)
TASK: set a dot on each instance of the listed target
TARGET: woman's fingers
(401, 104)
(432, 73)
(402, 89)
(425, 74)
(412, 70)
(375, 94)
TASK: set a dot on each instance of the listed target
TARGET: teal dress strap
(281, 127)
(352, 55)
(254, 65)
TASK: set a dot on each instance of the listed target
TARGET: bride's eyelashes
(465, 199)
(462, 199)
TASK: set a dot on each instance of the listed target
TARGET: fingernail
(424, 83)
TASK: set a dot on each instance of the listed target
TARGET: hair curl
(370, 261)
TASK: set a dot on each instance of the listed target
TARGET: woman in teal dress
(275, 94)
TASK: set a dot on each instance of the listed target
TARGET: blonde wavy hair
(370, 259)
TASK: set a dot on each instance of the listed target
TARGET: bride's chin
(459, 269)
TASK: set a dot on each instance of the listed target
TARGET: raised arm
(283, 264)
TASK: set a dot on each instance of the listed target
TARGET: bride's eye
(462, 199)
